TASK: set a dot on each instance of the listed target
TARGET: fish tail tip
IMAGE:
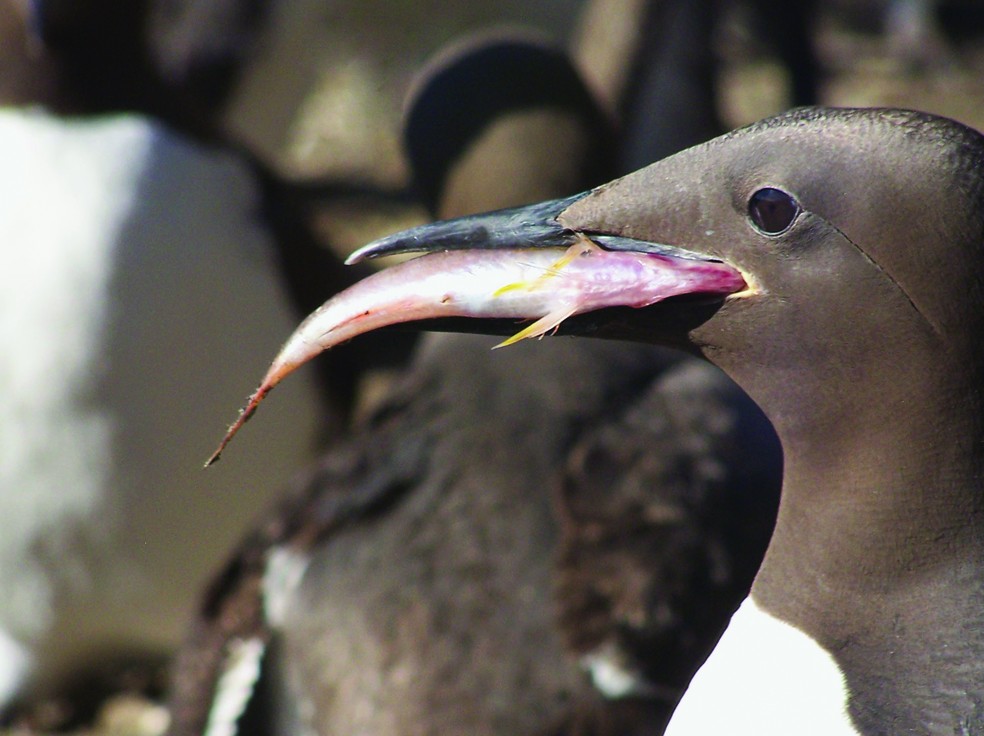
(244, 415)
(217, 455)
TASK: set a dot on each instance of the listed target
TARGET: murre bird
(124, 238)
(477, 501)
(132, 255)
(830, 261)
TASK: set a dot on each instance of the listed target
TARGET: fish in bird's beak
(496, 269)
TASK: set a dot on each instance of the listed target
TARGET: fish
(548, 284)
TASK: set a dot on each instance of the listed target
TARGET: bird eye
(772, 211)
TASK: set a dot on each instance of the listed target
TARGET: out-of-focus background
(325, 93)
(325, 89)
(320, 85)
(310, 93)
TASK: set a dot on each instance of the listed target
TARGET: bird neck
(879, 543)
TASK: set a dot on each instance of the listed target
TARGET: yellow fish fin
(541, 326)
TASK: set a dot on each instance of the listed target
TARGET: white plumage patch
(15, 662)
(235, 686)
(138, 301)
(609, 675)
(764, 678)
(284, 570)
(58, 227)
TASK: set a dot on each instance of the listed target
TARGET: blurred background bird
(140, 246)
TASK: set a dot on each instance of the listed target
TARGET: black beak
(531, 226)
